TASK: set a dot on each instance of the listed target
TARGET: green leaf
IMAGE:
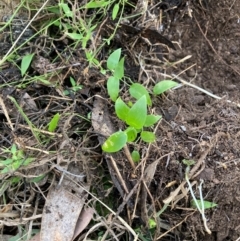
(188, 162)
(26, 61)
(75, 36)
(152, 223)
(14, 149)
(137, 115)
(97, 4)
(163, 86)
(121, 109)
(38, 178)
(137, 91)
(53, 123)
(135, 156)
(28, 160)
(148, 136)
(115, 11)
(131, 134)
(6, 162)
(206, 204)
(113, 88)
(115, 142)
(66, 9)
(113, 59)
(119, 70)
(151, 120)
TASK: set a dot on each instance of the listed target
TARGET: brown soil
(194, 126)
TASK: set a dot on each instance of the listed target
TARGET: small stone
(191, 73)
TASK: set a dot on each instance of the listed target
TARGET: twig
(129, 157)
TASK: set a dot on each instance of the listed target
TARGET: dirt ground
(206, 53)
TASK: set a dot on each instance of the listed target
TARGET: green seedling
(199, 204)
(134, 115)
(75, 87)
(53, 123)
(17, 158)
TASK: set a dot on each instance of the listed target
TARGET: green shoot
(75, 87)
(135, 156)
(26, 61)
(53, 123)
(196, 202)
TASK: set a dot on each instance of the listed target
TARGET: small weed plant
(134, 115)
(199, 204)
(14, 160)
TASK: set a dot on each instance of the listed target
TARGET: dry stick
(6, 113)
(109, 209)
(118, 174)
(210, 44)
(41, 131)
(162, 235)
(129, 157)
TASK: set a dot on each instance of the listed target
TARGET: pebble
(191, 73)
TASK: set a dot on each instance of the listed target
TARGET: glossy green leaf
(53, 123)
(137, 115)
(135, 156)
(151, 120)
(113, 88)
(119, 70)
(113, 59)
(115, 11)
(131, 134)
(148, 136)
(26, 61)
(163, 86)
(206, 204)
(115, 142)
(137, 91)
(121, 109)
